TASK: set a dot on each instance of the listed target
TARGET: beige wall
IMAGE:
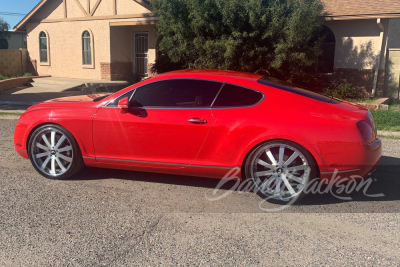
(393, 72)
(53, 10)
(358, 43)
(393, 59)
(122, 42)
(65, 36)
(65, 48)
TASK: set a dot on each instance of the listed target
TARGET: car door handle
(197, 121)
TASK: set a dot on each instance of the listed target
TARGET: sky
(16, 6)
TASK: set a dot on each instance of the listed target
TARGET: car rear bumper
(368, 159)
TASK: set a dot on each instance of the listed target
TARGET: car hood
(73, 101)
(79, 98)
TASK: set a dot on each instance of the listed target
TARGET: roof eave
(20, 26)
(362, 16)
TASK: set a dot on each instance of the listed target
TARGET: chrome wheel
(280, 171)
(52, 151)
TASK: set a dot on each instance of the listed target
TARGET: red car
(204, 123)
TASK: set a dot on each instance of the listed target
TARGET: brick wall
(13, 62)
(116, 71)
(13, 83)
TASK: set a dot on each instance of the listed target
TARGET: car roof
(213, 73)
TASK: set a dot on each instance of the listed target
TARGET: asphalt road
(120, 218)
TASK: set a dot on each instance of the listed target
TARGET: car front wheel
(54, 152)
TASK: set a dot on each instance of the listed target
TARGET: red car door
(167, 126)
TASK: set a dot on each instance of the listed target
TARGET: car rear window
(286, 86)
(236, 96)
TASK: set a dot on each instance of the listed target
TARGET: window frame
(111, 103)
(91, 38)
(44, 63)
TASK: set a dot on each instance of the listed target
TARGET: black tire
(274, 176)
(63, 152)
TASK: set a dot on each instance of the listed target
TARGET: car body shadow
(384, 184)
(150, 177)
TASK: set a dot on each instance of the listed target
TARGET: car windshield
(289, 87)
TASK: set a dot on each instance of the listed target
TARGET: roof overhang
(21, 25)
(362, 16)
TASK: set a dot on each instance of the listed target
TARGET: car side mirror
(123, 104)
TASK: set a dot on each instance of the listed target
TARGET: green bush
(28, 74)
(341, 90)
(280, 36)
(2, 77)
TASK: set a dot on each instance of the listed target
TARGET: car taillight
(366, 131)
(372, 122)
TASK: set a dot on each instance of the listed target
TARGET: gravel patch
(120, 218)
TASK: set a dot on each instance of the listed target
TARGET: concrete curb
(9, 117)
(387, 133)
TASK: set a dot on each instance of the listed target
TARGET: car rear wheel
(54, 152)
(281, 171)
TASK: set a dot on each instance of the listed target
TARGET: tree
(4, 34)
(277, 36)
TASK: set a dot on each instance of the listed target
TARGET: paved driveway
(42, 89)
(115, 218)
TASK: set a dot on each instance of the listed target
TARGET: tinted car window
(182, 93)
(286, 86)
(236, 96)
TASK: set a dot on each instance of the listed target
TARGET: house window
(43, 47)
(86, 48)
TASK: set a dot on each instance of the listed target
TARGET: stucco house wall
(358, 43)
(366, 32)
(358, 50)
(122, 42)
(393, 59)
(65, 48)
(64, 22)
